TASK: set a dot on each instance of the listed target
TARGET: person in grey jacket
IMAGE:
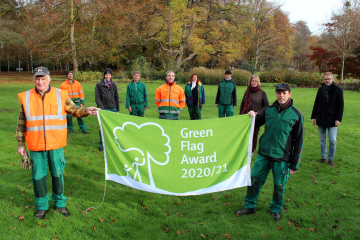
(255, 99)
(327, 114)
(106, 97)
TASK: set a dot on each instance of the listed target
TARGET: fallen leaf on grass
(201, 223)
(21, 218)
(39, 224)
(289, 223)
(332, 182)
(311, 229)
(203, 235)
(178, 232)
(101, 220)
(144, 207)
(166, 212)
(176, 203)
(187, 230)
(279, 228)
(15, 228)
(82, 212)
(265, 235)
(94, 227)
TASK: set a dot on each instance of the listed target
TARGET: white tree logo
(121, 133)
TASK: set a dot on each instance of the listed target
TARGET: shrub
(214, 76)
(301, 79)
(88, 76)
(247, 67)
(142, 65)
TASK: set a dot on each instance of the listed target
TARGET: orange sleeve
(182, 99)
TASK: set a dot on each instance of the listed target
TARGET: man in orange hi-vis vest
(42, 125)
(76, 93)
(170, 98)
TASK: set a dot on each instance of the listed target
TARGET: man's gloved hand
(25, 162)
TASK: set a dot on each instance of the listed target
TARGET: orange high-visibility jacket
(75, 91)
(46, 125)
(170, 99)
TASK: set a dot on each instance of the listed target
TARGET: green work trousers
(227, 110)
(259, 174)
(70, 125)
(195, 112)
(56, 161)
(137, 110)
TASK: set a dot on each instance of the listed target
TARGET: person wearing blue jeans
(327, 114)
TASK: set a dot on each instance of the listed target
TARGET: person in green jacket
(136, 96)
(226, 96)
(280, 150)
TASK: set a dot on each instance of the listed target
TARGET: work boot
(276, 216)
(321, 160)
(40, 214)
(86, 132)
(245, 211)
(101, 149)
(331, 164)
(63, 211)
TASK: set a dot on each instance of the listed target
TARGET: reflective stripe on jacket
(75, 91)
(46, 124)
(170, 99)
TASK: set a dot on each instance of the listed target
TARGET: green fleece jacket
(136, 94)
(226, 93)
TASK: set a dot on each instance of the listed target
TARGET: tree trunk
(7, 57)
(93, 36)
(32, 68)
(72, 39)
(170, 55)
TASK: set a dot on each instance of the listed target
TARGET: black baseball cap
(41, 71)
(283, 87)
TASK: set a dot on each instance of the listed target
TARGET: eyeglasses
(327, 78)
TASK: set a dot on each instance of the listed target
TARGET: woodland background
(157, 35)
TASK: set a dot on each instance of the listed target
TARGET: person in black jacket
(106, 97)
(327, 114)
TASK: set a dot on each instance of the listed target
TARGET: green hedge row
(214, 76)
(300, 79)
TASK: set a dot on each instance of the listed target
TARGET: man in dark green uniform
(136, 96)
(226, 96)
(280, 150)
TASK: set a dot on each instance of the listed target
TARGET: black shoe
(63, 211)
(321, 160)
(245, 211)
(40, 214)
(276, 216)
(331, 164)
(86, 132)
(101, 149)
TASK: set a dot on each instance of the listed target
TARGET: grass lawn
(320, 202)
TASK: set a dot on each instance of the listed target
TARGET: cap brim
(282, 89)
(40, 74)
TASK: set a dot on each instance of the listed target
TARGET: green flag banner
(175, 157)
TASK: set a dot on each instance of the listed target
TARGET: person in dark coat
(327, 114)
(254, 99)
(106, 97)
(195, 97)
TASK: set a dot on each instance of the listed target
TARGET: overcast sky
(314, 12)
